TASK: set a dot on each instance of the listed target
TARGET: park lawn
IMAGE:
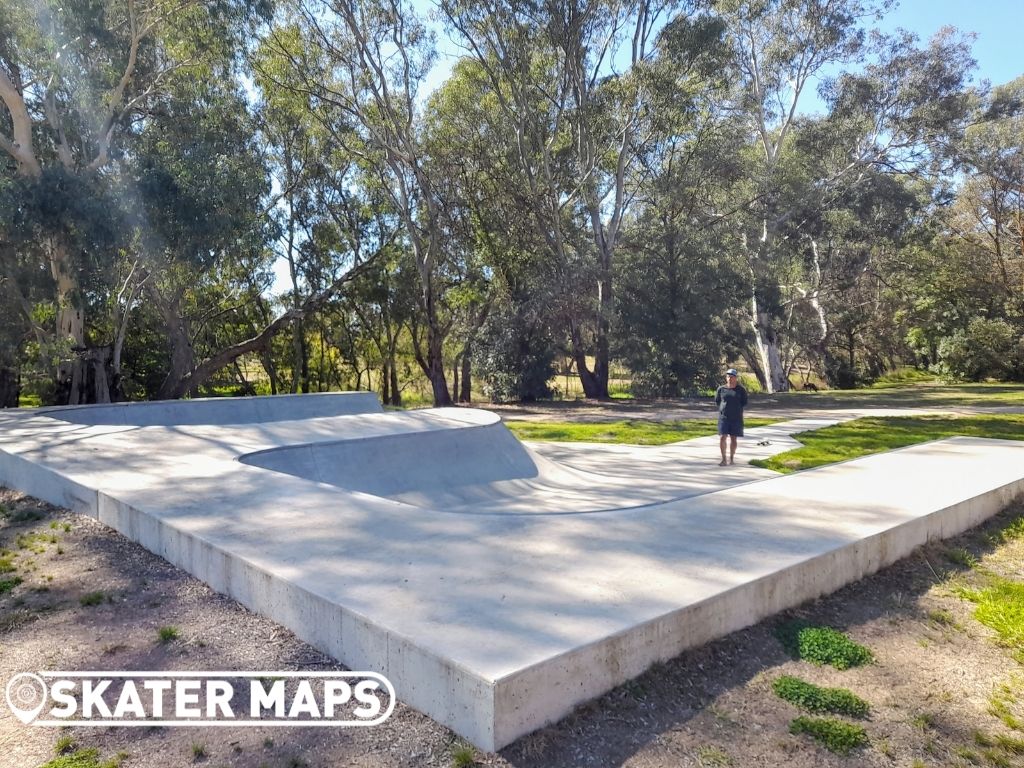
(899, 394)
(632, 431)
(862, 437)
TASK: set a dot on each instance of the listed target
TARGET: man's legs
(721, 445)
(732, 448)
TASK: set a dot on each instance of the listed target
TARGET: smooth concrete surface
(497, 585)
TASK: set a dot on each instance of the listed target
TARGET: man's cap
(732, 372)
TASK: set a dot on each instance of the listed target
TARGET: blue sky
(997, 48)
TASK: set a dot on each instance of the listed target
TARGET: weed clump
(813, 698)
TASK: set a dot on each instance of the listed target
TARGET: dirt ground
(932, 687)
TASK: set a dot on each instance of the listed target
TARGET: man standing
(730, 399)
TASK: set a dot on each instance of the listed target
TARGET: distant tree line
(666, 184)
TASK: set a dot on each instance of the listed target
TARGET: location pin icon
(26, 695)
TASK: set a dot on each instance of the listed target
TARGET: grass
(64, 744)
(862, 437)
(712, 757)
(92, 598)
(85, 758)
(1000, 606)
(167, 634)
(897, 394)
(6, 585)
(633, 431)
(835, 735)
(821, 645)
(463, 756)
(198, 750)
(813, 698)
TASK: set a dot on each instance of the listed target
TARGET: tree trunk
(465, 392)
(70, 325)
(10, 387)
(396, 393)
(602, 358)
(766, 341)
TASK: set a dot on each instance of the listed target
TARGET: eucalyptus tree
(76, 81)
(892, 107)
(567, 77)
(361, 65)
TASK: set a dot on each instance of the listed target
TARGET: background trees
(667, 185)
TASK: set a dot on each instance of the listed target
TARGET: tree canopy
(658, 187)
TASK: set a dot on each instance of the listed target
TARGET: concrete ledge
(218, 410)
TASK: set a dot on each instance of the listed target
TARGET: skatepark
(497, 584)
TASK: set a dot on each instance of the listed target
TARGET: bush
(835, 735)
(837, 701)
(514, 355)
(985, 349)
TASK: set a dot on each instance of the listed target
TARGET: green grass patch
(1000, 606)
(835, 735)
(821, 645)
(6, 562)
(862, 437)
(167, 634)
(90, 599)
(813, 698)
(895, 394)
(85, 758)
(6, 585)
(632, 431)
(463, 756)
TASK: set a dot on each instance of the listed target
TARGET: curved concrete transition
(465, 461)
(434, 548)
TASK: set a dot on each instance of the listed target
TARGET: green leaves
(822, 645)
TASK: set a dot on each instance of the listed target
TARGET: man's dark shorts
(732, 427)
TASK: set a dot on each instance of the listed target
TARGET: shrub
(985, 349)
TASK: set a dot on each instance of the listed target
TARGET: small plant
(922, 721)
(64, 744)
(198, 750)
(835, 735)
(6, 585)
(268, 743)
(1010, 744)
(813, 698)
(167, 634)
(92, 598)
(463, 756)
(712, 757)
(942, 617)
(960, 556)
(822, 645)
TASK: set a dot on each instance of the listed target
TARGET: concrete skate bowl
(468, 467)
(218, 410)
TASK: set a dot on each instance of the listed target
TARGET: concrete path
(497, 586)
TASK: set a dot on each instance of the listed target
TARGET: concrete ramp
(463, 461)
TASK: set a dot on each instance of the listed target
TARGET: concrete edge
(548, 691)
(464, 702)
